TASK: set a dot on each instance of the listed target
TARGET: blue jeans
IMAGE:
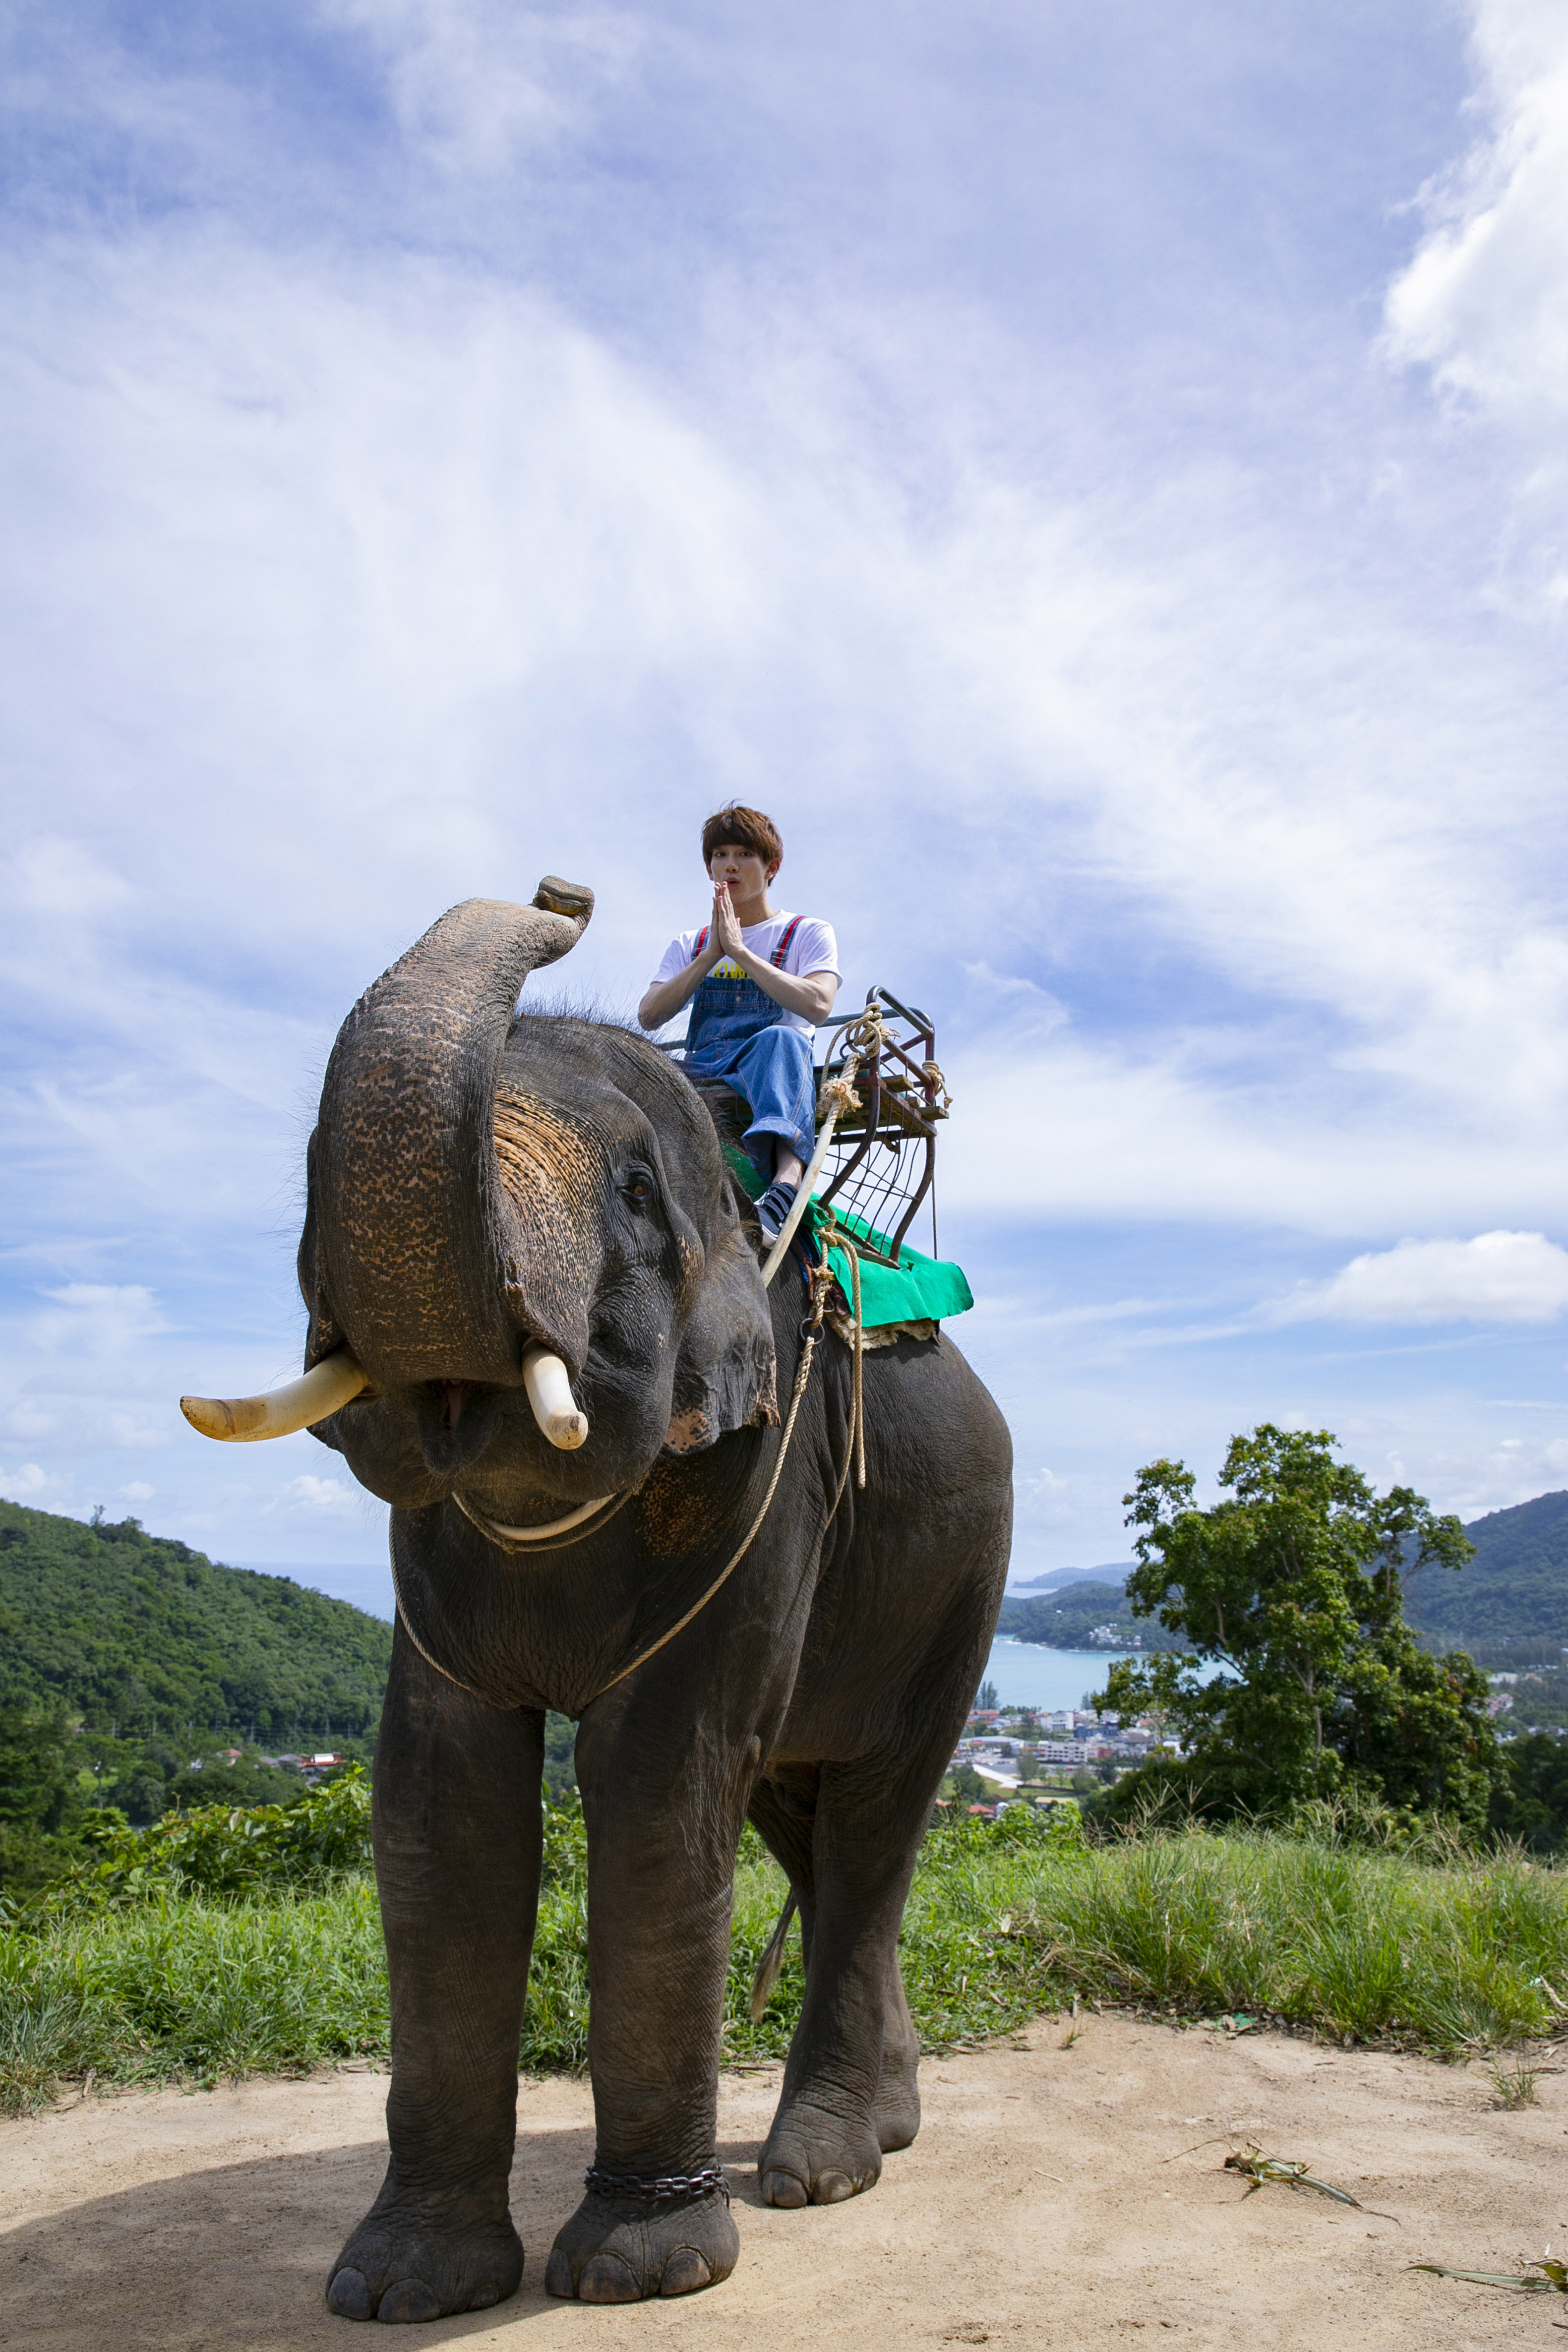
(735, 1035)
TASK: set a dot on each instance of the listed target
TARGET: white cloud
(473, 81)
(1031, 1010)
(51, 877)
(1046, 1492)
(1500, 1278)
(138, 1491)
(25, 1419)
(328, 1498)
(29, 1479)
(1484, 301)
(1099, 1130)
(112, 1313)
(135, 1429)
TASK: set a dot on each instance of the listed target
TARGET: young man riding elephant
(757, 982)
(538, 1330)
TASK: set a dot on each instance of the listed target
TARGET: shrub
(222, 1852)
(249, 1782)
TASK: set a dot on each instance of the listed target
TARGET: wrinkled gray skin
(477, 1183)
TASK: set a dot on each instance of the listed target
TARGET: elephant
(536, 1309)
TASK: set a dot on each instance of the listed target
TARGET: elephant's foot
(813, 2158)
(400, 2265)
(620, 2250)
(896, 2116)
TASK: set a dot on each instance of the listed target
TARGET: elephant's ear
(724, 1374)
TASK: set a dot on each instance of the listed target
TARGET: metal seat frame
(902, 1101)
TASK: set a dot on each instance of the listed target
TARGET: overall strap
(779, 953)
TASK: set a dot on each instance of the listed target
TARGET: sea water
(1027, 1674)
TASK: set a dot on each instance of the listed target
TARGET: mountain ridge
(1514, 1590)
(1513, 1593)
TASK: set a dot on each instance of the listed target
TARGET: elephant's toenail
(409, 2299)
(783, 2188)
(685, 2271)
(832, 2188)
(348, 2295)
(558, 2279)
(606, 2279)
(483, 2296)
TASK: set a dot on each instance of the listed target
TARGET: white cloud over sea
(1099, 484)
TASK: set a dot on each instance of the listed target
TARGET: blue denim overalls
(736, 1034)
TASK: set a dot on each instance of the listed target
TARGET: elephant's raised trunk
(421, 1258)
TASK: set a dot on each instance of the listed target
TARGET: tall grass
(1461, 1955)
(191, 1989)
(1352, 1943)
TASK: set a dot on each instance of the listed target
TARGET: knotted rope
(862, 1036)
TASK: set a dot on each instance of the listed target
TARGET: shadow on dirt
(237, 2257)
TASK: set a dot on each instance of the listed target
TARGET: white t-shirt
(813, 948)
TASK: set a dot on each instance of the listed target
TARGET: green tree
(1293, 1587)
(43, 1797)
(40, 1769)
(985, 1696)
(142, 1796)
(1532, 1804)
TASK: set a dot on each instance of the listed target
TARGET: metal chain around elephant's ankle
(603, 2181)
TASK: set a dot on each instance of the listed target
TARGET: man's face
(743, 872)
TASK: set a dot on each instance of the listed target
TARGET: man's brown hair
(742, 828)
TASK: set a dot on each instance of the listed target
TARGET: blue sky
(1094, 473)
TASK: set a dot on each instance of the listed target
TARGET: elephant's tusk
(315, 1397)
(549, 1390)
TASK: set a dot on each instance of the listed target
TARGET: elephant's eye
(637, 1189)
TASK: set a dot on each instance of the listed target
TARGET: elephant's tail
(770, 1964)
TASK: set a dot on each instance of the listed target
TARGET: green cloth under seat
(918, 1289)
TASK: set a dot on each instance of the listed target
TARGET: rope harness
(838, 1096)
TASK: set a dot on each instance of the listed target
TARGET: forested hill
(140, 1636)
(1514, 1590)
(1070, 1618)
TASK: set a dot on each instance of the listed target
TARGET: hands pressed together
(723, 930)
(811, 996)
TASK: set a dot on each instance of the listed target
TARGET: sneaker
(772, 1207)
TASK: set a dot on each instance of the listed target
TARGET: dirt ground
(1047, 2203)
